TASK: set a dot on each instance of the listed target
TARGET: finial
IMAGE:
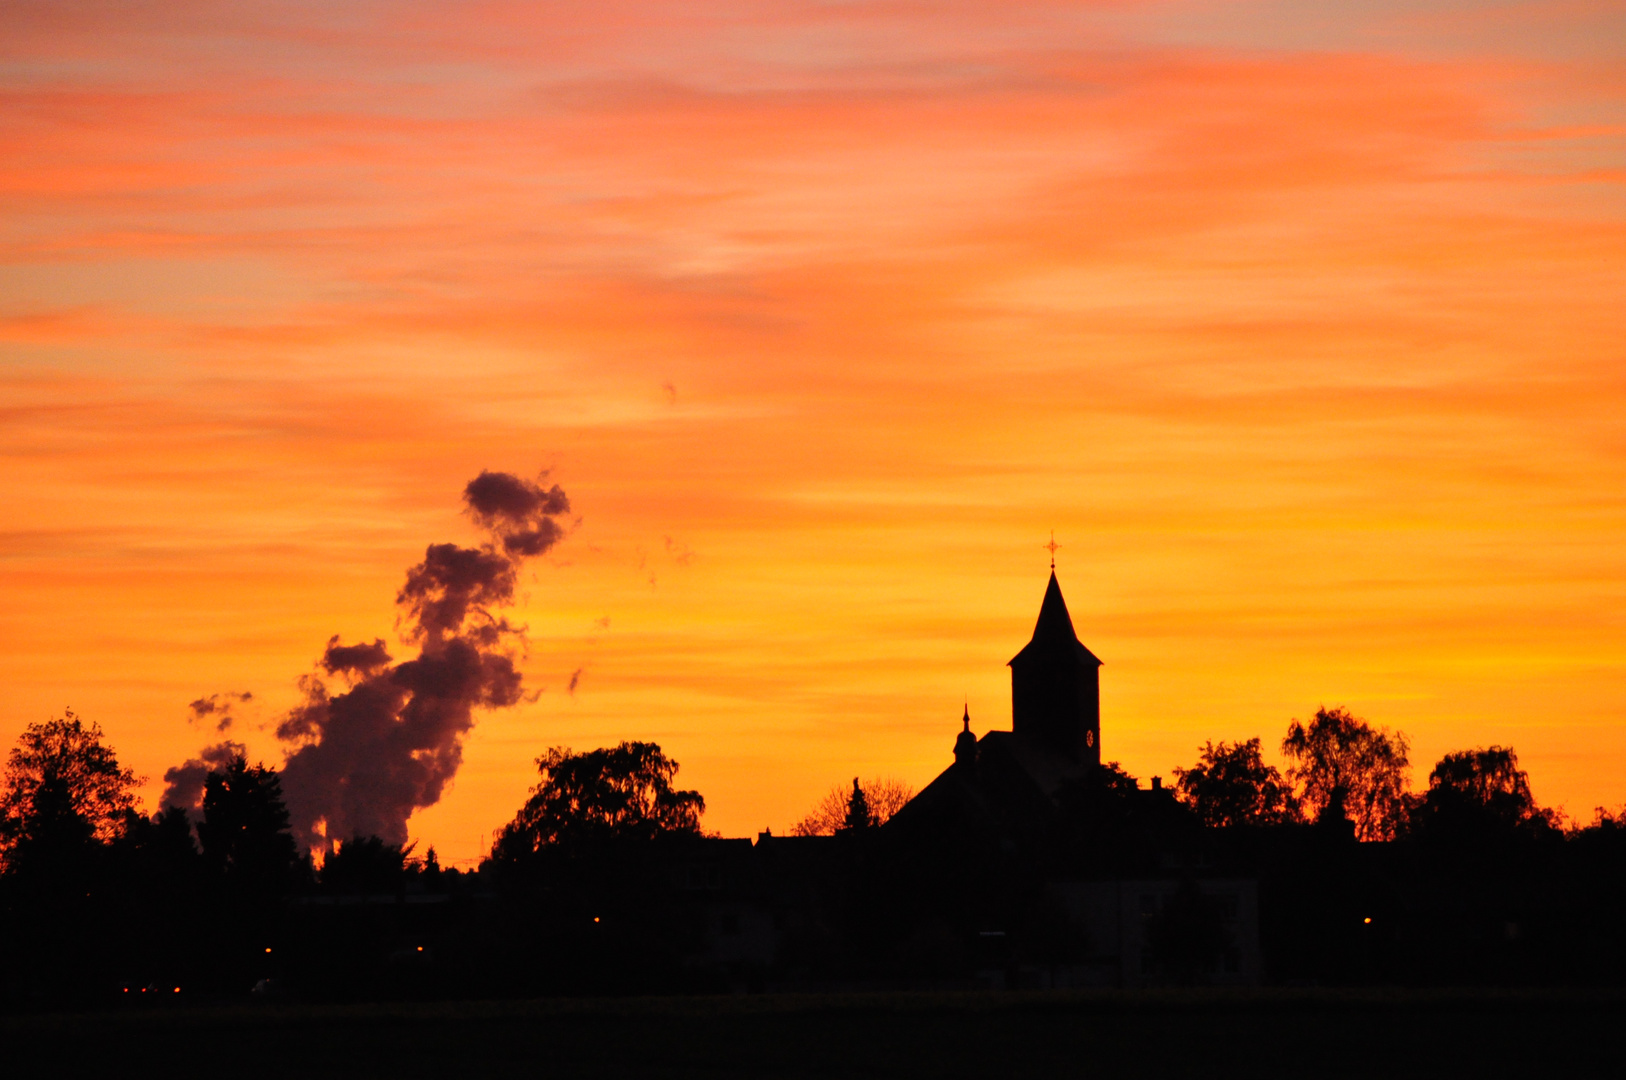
(1052, 546)
(965, 743)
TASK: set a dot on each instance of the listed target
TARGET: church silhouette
(1055, 733)
(1112, 864)
(1026, 863)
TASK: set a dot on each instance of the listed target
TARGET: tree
(1232, 785)
(366, 864)
(64, 790)
(163, 842)
(858, 816)
(609, 795)
(245, 830)
(429, 870)
(1479, 791)
(883, 796)
(1348, 770)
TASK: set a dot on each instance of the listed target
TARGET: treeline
(604, 881)
(1345, 773)
(1468, 880)
(102, 903)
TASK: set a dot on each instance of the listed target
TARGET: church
(1005, 778)
(1031, 800)
(1026, 863)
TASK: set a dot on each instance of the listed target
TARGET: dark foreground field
(1269, 1033)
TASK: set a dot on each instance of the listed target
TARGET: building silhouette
(1056, 687)
(1120, 867)
(1008, 779)
(1026, 862)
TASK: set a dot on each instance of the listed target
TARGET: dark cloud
(354, 659)
(183, 784)
(575, 681)
(451, 583)
(369, 751)
(217, 709)
(519, 513)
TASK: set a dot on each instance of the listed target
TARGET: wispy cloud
(1300, 326)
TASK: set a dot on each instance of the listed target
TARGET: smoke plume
(218, 709)
(375, 739)
(183, 784)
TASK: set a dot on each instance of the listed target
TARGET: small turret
(965, 743)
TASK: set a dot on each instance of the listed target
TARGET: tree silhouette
(858, 816)
(1232, 785)
(164, 841)
(366, 864)
(1479, 791)
(883, 795)
(244, 831)
(601, 796)
(64, 790)
(1345, 768)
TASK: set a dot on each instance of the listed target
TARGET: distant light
(1368, 919)
(177, 989)
(126, 989)
(268, 950)
(420, 948)
(595, 918)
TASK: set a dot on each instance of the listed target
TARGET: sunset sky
(1302, 325)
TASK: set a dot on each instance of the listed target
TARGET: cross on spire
(1052, 548)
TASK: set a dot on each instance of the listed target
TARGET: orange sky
(1303, 329)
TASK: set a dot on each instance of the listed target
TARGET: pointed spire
(1054, 630)
(1054, 624)
(967, 717)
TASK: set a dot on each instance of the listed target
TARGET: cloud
(217, 709)
(518, 512)
(355, 659)
(183, 784)
(575, 681)
(386, 743)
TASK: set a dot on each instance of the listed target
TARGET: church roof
(1053, 634)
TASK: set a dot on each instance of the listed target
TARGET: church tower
(1056, 686)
